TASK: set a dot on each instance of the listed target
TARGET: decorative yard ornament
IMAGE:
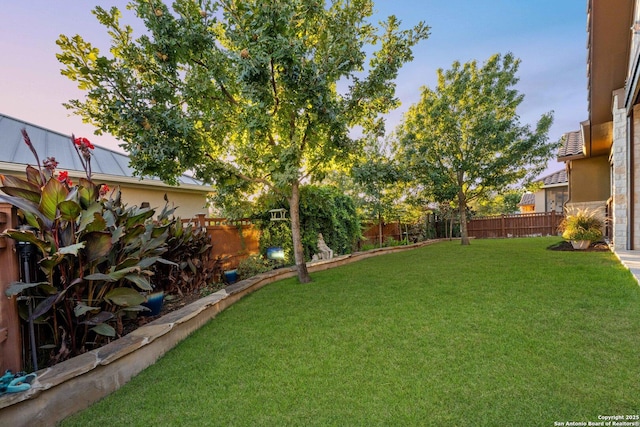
(278, 214)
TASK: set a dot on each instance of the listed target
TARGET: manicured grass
(502, 332)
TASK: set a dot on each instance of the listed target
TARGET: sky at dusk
(549, 36)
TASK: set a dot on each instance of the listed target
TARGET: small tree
(243, 92)
(378, 181)
(464, 138)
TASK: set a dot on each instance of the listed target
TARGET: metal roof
(53, 144)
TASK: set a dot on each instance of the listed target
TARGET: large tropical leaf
(53, 193)
(72, 249)
(11, 181)
(29, 237)
(88, 217)
(32, 196)
(87, 192)
(15, 288)
(139, 217)
(44, 306)
(103, 316)
(104, 329)
(69, 210)
(81, 309)
(34, 176)
(125, 297)
(140, 281)
(28, 207)
(98, 244)
(100, 276)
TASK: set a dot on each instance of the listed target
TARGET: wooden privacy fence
(517, 225)
(371, 233)
(231, 240)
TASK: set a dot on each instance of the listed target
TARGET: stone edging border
(75, 384)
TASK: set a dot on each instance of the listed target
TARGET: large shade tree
(464, 138)
(249, 94)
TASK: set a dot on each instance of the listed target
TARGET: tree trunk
(296, 234)
(462, 206)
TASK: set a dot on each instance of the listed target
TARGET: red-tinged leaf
(87, 192)
(98, 244)
(43, 307)
(53, 193)
(34, 176)
(88, 217)
(32, 196)
(15, 182)
(29, 237)
(69, 210)
(28, 207)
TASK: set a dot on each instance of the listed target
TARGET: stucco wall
(540, 201)
(189, 203)
(589, 180)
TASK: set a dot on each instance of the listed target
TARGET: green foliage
(96, 254)
(582, 224)
(323, 209)
(244, 93)
(463, 139)
(277, 234)
(189, 253)
(253, 265)
(378, 181)
(505, 202)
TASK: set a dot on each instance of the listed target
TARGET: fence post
(503, 231)
(201, 222)
(10, 339)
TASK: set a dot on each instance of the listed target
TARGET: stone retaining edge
(75, 384)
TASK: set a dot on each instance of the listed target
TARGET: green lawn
(502, 332)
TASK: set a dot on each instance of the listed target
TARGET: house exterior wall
(555, 198)
(589, 180)
(634, 179)
(540, 201)
(189, 205)
(619, 162)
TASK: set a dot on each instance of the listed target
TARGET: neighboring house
(108, 167)
(551, 196)
(603, 157)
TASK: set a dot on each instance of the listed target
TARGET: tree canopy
(246, 93)
(464, 138)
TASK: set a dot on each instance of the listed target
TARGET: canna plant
(96, 254)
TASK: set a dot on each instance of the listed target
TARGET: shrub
(96, 254)
(582, 224)
(189, 251)
(252, 266)
(323, 209)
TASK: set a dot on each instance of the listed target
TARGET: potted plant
(582, 228)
